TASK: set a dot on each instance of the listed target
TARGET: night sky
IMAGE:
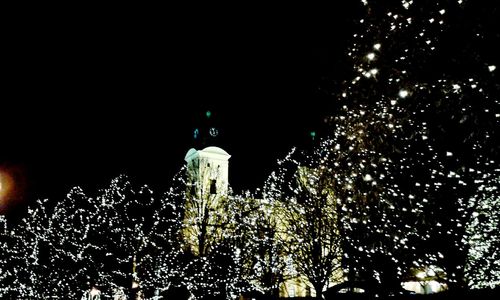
(90, 95)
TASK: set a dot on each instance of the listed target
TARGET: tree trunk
(318, 287)
(203, 233)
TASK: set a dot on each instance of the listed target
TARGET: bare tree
(205, 214)
(309, 218)
(263, 248)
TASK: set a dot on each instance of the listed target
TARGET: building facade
(206, 197)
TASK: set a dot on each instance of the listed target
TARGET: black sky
(89, 95)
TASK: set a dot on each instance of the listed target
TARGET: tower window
(213, 186)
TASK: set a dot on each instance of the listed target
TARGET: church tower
(207, 171)
(206, 132)
(207, 191)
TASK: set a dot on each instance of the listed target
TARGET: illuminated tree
(483, 238)
(22, 275)
(218, 273)
(65, 255)
(192, 242)
(407, 134)
(17, 278)
(8, 250)
(121, 223)
(309, 217)
(161, 266)
(84, 240)
(261, 258)
(382, 191)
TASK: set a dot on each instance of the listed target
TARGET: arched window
(213, 186)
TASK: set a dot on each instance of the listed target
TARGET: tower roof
(206, 132)
(215, 150)
(212, 151)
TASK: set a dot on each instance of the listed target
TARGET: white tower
(206, 198)
(207, 171)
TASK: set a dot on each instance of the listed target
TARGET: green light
(208, 113)
(313, 134)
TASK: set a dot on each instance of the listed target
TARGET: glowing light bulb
(94, 292)
(403, 93)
